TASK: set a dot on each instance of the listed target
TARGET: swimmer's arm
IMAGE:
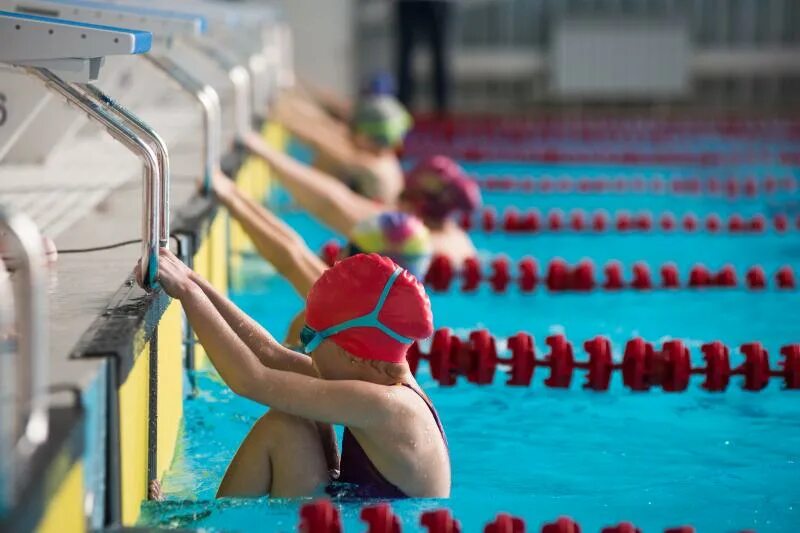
(326, 198)
(274, 240)
(339, 106)
(310, 107)
(353, 403)
(257, 339)
(228, 352)
(236, 344)
(306, 114)
(348, 402)
(322, 132)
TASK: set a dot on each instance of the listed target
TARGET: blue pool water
(721, 462)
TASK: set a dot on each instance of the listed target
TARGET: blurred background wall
(511, 54)
(324, 32)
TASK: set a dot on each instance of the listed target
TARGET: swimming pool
(720, 462)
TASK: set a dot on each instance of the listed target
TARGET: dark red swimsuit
(358, 477)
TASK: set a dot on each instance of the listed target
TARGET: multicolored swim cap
(369, 307)
(400, 236)
(382, 119)
(438, 187)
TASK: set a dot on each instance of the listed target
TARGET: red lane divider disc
(322, 516)
(643, 365)
(530, 221)
(730, 187)
(560, 276)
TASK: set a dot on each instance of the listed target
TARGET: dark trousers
(420, 21)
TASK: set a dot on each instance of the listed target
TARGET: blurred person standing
(420, 21)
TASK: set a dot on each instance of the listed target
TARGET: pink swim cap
(438, 188)
(370, 307)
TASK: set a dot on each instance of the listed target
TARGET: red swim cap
(352, 288)
(437, 188)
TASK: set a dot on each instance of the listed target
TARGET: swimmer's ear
(393, 371)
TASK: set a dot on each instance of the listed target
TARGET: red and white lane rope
(732, 187)
(561, 276)
(643, 365)
(500, 151)
(604, 129)
(600, 221)
(323, 517)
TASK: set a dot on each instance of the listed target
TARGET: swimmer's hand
(174, 277)
(221, 185)
(218, 181)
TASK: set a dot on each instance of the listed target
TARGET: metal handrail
(152, 194)
(29, 424)
(241, 80)
(156, 142)
(212, 112)
(7, 389)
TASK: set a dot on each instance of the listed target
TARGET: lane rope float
(643, 365)
(322, 516)
(556, 221)
(730, 187)
(559, 276)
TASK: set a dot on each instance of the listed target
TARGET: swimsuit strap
(430, 407)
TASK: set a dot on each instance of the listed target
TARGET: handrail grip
(241, 80)
(152, 183)
(212, 113)
(156, 142)
(7, 385)
(31, 313)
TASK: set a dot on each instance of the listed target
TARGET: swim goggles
(311, 339)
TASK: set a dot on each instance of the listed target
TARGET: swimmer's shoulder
(453, 242)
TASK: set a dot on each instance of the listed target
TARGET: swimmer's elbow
(239, 386)
(261, 385)
(245, 384)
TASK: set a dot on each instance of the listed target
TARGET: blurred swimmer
(362, 152)
(436, 191)
(399, 236)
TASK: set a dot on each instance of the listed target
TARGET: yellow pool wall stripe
(170, 385)
(134, 400)
(64, 511)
